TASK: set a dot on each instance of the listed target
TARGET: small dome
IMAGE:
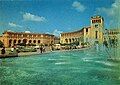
(27, 31)
(9, 31)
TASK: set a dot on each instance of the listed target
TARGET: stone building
(71, 37)
(90, 34)
(97, 29)
(12, 38)
(57, 40)
(112, 35)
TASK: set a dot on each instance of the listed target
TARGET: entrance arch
(34, 41)
(30, 41)
(14, 42)
(24, 41)
(19, 41)
(10, 42)
(66, 40)
(38, 41)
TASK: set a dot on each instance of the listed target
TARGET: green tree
(1, 44)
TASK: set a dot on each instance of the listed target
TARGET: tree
(1, 44)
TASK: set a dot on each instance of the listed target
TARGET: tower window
(96, 34)
(86, 29)
(99, 21)
(93, 21)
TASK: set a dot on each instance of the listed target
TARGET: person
(41, 49)
(105, 43)
(3, 51)
(12, 49)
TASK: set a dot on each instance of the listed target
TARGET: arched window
(96, 34)
(30, 41)
(19, 41)
(10, 42)
(70, 40)
(24, 41)
(14, 41)
(73, 39)
(66, 40)
(38, 41)
(34, 41)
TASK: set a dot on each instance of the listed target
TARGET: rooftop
(11, 32)
(81, 30)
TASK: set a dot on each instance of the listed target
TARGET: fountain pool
(81, 67)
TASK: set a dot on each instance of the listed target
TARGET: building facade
(57, 40)
(71, 37)
(90, 34)
(112, 35)
(13, 38)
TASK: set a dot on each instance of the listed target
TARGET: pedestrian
(105, 43)
(41, 49)
(12, 49)
(3, 51)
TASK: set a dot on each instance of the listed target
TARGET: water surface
(82, 67)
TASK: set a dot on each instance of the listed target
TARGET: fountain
(114, 47)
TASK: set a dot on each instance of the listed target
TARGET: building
(112, 35)
(71, 37)
(97, 29)
(10, 38)
(91, 34)
(57, 40)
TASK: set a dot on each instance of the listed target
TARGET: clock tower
(97, 27)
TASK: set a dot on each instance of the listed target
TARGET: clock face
(96, 25)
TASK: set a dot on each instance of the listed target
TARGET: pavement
(38, 52)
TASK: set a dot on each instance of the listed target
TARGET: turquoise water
(82, 67)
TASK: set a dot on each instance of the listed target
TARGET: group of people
(110, 43)
(3, 51)
(107, 44)
(13, 50)
(42, 49)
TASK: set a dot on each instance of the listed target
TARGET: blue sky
(55, 16)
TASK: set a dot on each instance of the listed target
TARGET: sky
(56, 16)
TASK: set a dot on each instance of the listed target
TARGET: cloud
(14, 25)
(57, 32)
(113, 13)
(78, 6)
(31, 17)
